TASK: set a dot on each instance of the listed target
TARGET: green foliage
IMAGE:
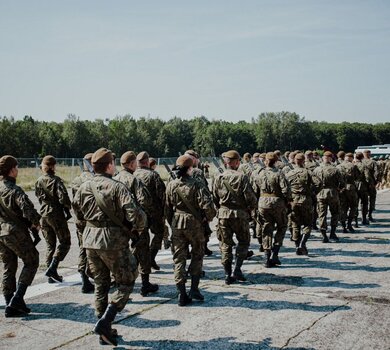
(269, 131)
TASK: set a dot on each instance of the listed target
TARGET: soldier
(278, 164)
(340, 157)
(55, 211)
(188, 206)
(362, 183)
(112, 217)
(328, 182)
(311, 164)
(246, 167)
(17, 215)
(83, 269)
(156, 189)
(152, 163)
(141, 249)
(275, 194)
(373, 180)
(255, 160)
(348, 195)
(234, 197)
(301, 183)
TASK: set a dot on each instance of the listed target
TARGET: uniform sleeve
(285, 187)
(62, 194)
(317, 182)
(76, 204)
(215, 191)
(132, 212)
(249, 194)
(27, 208)
(205, 202)
(160, 190)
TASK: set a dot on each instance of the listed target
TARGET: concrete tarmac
(338, 297)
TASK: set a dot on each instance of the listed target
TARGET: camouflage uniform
(233, 214)
(348, 196)
(53, 197)
(15, 240)
(187, 229)
(328, 181)
(373, 180)
(301, 183)
(361, 182)
(107, 244)
(256, 188)
(311, 165)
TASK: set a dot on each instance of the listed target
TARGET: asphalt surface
(338, 297)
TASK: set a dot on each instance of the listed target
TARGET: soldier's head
(262, 156)
(143, 159)
(152, 163)
(367, 154)
(299, 159)
(255, 158)
(48, 164)
(349, 157)
(277, 154)
(103, 162)
(246, 157)
(359, 155)
(309, 155)
(184, 165)
(195, 157)
(316, 155)
(231, 159)
(270, 159)
(291, 156)
(128, 161)
(327, 157)
(8, 167)
(341, 155)
(87, 158)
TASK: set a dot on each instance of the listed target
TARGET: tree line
(269, 131)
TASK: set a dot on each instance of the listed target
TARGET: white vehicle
(376, 150)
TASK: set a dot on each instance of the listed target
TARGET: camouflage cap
(127, 157)
(88, 156)
(349, 154)
(49, 160)
(184, 161)
(299, 156)
(142, 156)
(270, 156)
(192, 153)
(232, 154)
(102, 155)
(7, 163)
(340, 154)
(328, 154)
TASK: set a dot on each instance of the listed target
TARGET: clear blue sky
(326, 60)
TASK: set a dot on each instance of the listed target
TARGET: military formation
(115, 213)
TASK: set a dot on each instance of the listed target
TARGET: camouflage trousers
(157, 227)
(181, 240)
(333, 204)
(83, 262)
(348, 205)
(363, 198)
(273, 213)
(226, 229)
(371, 198)
(123, 265)
(55, 228)
(18, 245)
(141, 251)
(301, 218)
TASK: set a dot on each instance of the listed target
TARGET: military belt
(101, 224)
(264, 194)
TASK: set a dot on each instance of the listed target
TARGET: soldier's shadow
(215, 343)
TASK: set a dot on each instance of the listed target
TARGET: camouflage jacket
(100, 232)
(327, 180)
(178, 214)
(372, 167)
(349, 171)
(274, 185)
(301, 184)
(199, 175)
(52, 195)
(16, 201)
(136, 188)
(228, 204)
(78, 180)
(246, 168)
(311, 164)
(156, 189)
(362, 176)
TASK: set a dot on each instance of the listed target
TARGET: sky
(231, 60)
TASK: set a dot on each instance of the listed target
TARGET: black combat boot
(268, 262)
(7, 298)
(275, 255)
(249, 254)
(356, 222)
(147, 287)
(103, 326)
(344, 227)
(333, 235)
(325, 238)
(194, 291)
(350, 228)
(297, 244)
(365, 221)
(153, 254)
(229, 279)
(16, 305)
(87, 286)
(302, 244)
(261, 248)
(207, 251)
(52, 271)
(237, 273)
(370, 218)
(183, 298)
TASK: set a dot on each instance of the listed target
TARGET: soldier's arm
(285, 187)
(160, 189)
(249, 194)
(215, 191)
(132, 212)
(62, 193)
(27, 207)
(76, 204)
(205, 202)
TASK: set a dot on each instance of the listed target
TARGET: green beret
(142, 156)
(49, 161)
(184, 161)
(232, 154)
(127, 157)
(7, 163)
(102, 155)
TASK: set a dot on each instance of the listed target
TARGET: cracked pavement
(336, 298)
